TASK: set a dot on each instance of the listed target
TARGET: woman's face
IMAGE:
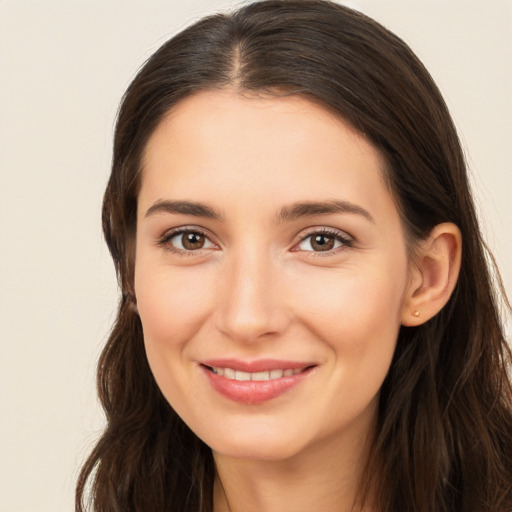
(271, 273)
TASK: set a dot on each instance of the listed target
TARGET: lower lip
(254, 392)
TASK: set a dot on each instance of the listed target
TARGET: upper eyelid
(184, 229)
(322, 230)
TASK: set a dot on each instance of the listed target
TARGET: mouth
(241, 376)
(256, 382)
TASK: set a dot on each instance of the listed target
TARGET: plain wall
(64, 66)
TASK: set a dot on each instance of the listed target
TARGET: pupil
(322, 242)
(193, 241)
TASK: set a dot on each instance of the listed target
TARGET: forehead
(229, 112)
(224, 143)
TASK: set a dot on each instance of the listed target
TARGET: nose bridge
(251, 304)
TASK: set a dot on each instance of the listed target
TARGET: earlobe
(434, 275)
(132, 304)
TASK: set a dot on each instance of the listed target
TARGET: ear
(434, 274)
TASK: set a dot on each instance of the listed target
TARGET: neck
(323, 477)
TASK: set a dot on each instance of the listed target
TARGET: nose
(251, 303)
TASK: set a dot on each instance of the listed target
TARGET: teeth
(229, 373)
(260, 376)
(276, 374)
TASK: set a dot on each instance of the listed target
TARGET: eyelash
(164, 241)
(345, 241)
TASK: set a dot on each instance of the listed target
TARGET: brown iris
(322, 242)
(192, 241)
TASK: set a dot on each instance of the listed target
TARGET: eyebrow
(311, 208)
(184, 208)
(286, 214)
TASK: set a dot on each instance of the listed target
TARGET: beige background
(64, 66)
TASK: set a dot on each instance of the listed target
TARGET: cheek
(358, 319)
(173, 306)
(172, 303)
(357, 315)
(351, 300)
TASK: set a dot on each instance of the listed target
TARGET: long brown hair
(444, 440)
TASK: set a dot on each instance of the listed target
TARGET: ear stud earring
(416, 313)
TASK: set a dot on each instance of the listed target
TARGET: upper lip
(259, 365)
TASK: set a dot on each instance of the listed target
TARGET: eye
(186, 240)
(323, 241)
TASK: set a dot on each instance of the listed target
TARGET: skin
(259, 289)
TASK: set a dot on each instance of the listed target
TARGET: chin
(260, 445)
(257, 452)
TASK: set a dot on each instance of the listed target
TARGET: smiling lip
(268, 383)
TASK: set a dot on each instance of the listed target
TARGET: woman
(307, 319)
